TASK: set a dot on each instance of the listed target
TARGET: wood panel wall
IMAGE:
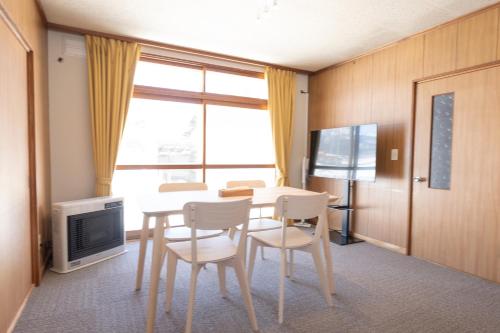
(15, 247)
(30, 23)
(378, 87)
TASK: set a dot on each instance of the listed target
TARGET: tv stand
(343, 237)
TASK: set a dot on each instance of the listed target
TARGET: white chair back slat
(301, 207)
(217, 215)
(250, 183)
(177, 187)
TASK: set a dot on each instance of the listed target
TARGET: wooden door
(456, 201)
(15, 248)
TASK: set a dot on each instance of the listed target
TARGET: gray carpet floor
(377, 291)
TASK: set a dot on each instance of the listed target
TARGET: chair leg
(325, 240)
(231, 232)
(192, 293)
(163, 257)
(290, 265)
(245, 251)
(245, 291)
(142, 252)
(171, 270)
(282, 286)
(158, 244)
(316, 253)
(262, 253)
(251, 260)
(221, 270)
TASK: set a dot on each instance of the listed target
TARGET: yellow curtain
(281, 104)
(111, 66)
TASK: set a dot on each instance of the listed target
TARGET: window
(192, 122)
(167, 76)
(250, 133)
(238, 85)
(441, 139)
(162, 132)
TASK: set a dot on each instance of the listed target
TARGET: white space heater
(86, 231)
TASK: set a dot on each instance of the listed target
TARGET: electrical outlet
(394, 154)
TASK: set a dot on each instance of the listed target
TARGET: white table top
(168, 203)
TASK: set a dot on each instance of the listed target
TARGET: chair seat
(209, 250)
(294, 237)
(179, 234)
(262, 224)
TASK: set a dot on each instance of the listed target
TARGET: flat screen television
(344, 153)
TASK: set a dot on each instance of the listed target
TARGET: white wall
(71, 158)
(72, 163)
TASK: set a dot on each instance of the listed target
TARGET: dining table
(159, 206)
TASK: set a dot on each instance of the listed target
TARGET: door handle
(419, 179)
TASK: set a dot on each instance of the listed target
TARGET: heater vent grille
(94, 232)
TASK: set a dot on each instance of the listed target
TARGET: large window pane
(160, 132)
(238, 85)
(238, 136)
(217, 178)
(165, 76)
(132, 184)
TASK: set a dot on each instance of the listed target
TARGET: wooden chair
(174, 187)
(260, 223)
(222, 250)
(179, 232)
(178, 220)
(249, 183)
(175, 232)
(292, 238)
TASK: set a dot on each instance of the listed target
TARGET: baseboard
(19, 311)
(380, 243)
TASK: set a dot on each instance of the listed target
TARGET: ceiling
(304, 34)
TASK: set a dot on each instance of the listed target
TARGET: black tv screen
(344, 153)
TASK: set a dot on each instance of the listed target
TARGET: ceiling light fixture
(264, 7)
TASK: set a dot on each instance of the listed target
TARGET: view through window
(190, 122)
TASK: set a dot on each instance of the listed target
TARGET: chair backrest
(217, 215)
(177, 187)
(250, 183)
(302, 207)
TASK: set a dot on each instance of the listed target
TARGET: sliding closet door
(15, 251)
(456, 189)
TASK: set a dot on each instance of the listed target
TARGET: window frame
(204, 98)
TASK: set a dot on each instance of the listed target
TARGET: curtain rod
(146, 42)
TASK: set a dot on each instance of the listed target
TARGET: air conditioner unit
(86, 231)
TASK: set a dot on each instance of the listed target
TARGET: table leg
(142, 251)
(155, 273)
(328, 255)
